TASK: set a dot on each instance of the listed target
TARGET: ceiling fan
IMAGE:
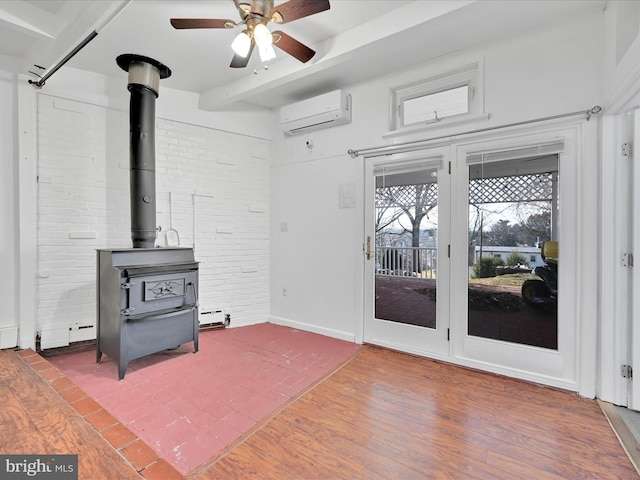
(254, 17)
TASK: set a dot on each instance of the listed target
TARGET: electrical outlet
(284, 291)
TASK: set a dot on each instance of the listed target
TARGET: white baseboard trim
(55, 336)
(8, 337)
(327, 332)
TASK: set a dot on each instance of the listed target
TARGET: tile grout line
(68, 384)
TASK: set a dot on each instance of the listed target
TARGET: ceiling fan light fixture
(241, 44)
(267, 52)
(255, 15)
(262, 35)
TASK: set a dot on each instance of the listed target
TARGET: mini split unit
(323, 111)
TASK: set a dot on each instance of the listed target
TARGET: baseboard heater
(214, 319)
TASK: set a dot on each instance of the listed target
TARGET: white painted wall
(622, 51)
(316, 246)
(8, 211)
(539, 74)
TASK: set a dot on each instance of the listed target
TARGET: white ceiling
(354, 40)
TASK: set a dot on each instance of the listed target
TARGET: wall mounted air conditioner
(323, 111)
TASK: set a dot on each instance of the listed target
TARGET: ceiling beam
(347, 47)
(27, 20)
(80, 19)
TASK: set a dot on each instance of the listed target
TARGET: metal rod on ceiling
(416, 144)
(40, 83)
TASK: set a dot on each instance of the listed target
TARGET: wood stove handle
(160, 314)
(195, 295)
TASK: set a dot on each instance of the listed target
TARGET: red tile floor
(189, 407)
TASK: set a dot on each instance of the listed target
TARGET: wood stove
(148, 302)
(147, 297)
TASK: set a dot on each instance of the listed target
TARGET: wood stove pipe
(144, 79)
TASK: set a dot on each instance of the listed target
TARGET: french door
(509, 261)
(462, 255)
(406, 252)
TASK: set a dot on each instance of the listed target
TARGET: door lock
(368, 252)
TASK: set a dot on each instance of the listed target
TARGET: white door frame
(615, 309)
(619, 312)
(27, 200)
(552, 367)
(576, 369)
(410, 338)
(634, 401)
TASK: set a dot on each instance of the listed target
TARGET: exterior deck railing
(407, 261)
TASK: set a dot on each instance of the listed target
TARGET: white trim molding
(27, 205)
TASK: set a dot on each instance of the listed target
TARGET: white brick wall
(218, 184)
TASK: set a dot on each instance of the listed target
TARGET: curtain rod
(403, 147)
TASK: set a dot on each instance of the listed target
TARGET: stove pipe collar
(143, 71)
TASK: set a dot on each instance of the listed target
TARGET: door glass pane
(513, 252)
(406, 247)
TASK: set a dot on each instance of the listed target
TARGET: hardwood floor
(390, 415)
(34, 419)
(383, 415)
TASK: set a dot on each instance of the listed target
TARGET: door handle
(368, 251)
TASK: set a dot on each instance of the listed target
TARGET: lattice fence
(521, 188)
(409, 196)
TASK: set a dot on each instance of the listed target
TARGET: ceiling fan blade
(295, 9)
(181, 23)
(293, 47)
(240, 62)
